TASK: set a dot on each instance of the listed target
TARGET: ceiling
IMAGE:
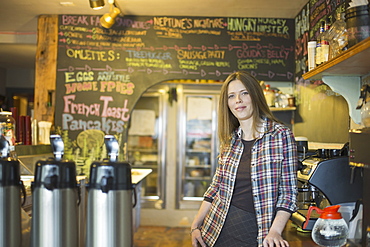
(18, 18)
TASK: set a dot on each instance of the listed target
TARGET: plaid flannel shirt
(273, 174)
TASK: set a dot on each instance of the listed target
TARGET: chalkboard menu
(101, 73)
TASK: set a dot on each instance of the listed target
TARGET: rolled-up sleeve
(287, 199)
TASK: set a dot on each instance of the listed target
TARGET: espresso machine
(325, 179)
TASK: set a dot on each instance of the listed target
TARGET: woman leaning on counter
(254, 190)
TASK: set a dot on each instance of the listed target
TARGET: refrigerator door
(197, 149)
(146, 145)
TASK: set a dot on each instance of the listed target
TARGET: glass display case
(197, 132)
(146, 145)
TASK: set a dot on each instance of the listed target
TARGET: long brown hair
(227, 122)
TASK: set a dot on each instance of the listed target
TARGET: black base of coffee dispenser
(334, 182)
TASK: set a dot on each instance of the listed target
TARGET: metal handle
(357, 208)
(112, 146)
(363, 95)
(135, 197)
(57, 146)
(4, 147)
(303, 190)
(23, 189)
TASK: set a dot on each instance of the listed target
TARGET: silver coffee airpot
(10, 198)
(55, 201)
(109, 203)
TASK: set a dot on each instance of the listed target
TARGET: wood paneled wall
(45, 68)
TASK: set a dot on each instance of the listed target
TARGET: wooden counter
(137, 175)
(303, 239)
(296, 238)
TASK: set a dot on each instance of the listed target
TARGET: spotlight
(96, 4)
(108, 19)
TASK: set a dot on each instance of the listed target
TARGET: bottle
(200, 188)
(269, 95)
(189, 189)
(311, 48)
(325, 42)
(7, 127)
(365, 114)
(337, 35)
(318, 44)
(34, 132)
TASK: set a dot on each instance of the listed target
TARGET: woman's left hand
(274, 239)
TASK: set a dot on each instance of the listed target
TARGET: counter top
(320, 145)
(296, 238)
(137, 175)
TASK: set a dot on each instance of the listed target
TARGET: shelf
(193, 198)
(198, 150)
(145, 167)
(343, 74)
(143, 150)
(198, 178)
(198, 166)
(353, 62)
(282, 109)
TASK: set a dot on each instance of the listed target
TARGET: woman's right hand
(196, 238)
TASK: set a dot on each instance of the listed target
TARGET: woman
(253, 192)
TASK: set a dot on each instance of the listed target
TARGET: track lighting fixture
(96, 4)
(108, 19)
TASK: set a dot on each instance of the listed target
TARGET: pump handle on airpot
(4, 147)
(57, 146)
(112, 146)
(365, 89)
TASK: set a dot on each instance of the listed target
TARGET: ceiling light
(96, 4)
(107, 20)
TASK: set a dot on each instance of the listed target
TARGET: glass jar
(7, 126)
(269, 95)
(365, 114)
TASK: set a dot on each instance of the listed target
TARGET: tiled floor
(147, 236)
